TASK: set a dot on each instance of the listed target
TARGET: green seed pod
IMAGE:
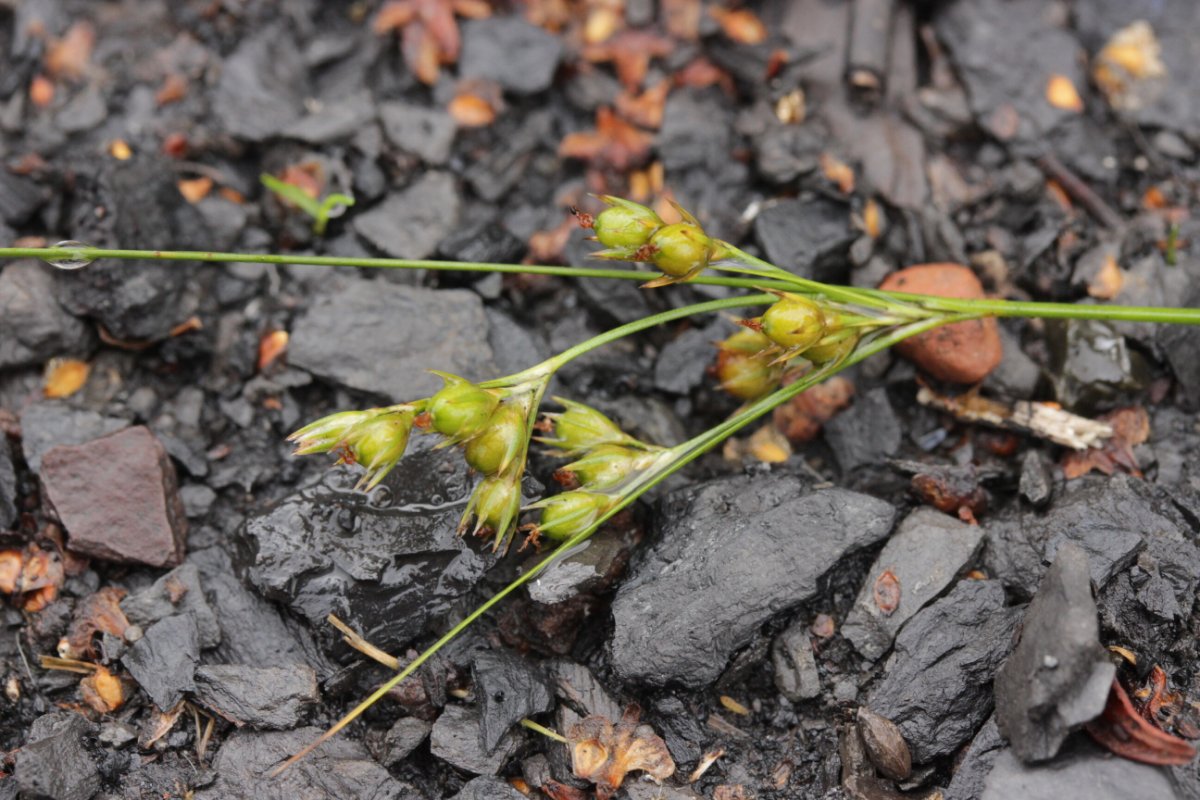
(461, 409)
(328, 432)
(607, 465)
(495, 504)
(743, 369)
(582, 427)
(833, 347)
(625, 224)
(499, 442)
(745, 340)
(680, 250)
(569, 513)
(378, 444)
(794, 322)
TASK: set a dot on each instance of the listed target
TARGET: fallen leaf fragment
(604, 753)
(885, 745)
(681, 18)
(174, 88)
(429, 31)
(1128, 65)
(120, 150)
(271, 346)
(11, 563)
(792, 108)
(741, 25)
(100, 612)
(102, 691)
(195, 189)
(64, 377)
(1130, 427)
(472, 111)
(68, 57)
(630, 53)
(951, 490)
(1122, 730)
(769, 445)
(801, 418)
(734, 706)
(614, 143)
(837, 172)
(1108, 281)
(1044, 420)
(41, 91)
(1061, 93)
(645, 109)
(887, 592)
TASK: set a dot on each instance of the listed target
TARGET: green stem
(544, 731)
(94, 253)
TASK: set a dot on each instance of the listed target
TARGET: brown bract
(614, 143)
(630, 53)
(1130, 427)
(98, 613)
(1127, 733)
(429, 31)
(604, 753)
(68, 57)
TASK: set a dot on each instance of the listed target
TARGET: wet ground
(980, 589)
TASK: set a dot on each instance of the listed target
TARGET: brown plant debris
(429, 36)
(1127, 733)
(604, 753)
(1044, 420)
(1130, 427)
(614, 143)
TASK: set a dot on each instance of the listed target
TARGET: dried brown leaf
(271, 346)
(68, 57)
(801, 418)
(102, 691)
(645, 109)
(471, 111)
(604, 753)
(64, 377)
(100, 612)
(1061, 93)
(1108, 281)
(1130, 427)
(614, 143)
(1122, 730)
(630, 53)
(741, 25)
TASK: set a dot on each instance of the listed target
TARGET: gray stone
(759, 545)
(456, 740)
(866, 433)
(52, 422)
(8, 485)
(1037, 480)
(696, 131)
(262, 86)
(382, 338)
(509, 688)
(402, 738)
(33, 326)
(411, 223)
(1059, 676)
(1082, 772)
(53, 763)
(164, 659)
(177, 592)
(1017, 375)
(339, 768)
(425, 132)
(487, 788)
(20, 196)
(270, 698)
(334, 120)
(582, 570)
(519, 56)
(795, 666)
(972, 769)
(684, 361)
(926, 553)
(808, 237)
(937, 684)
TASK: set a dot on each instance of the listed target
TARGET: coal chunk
(402, 738)
(339, 768)
(519, 56)
(509, 689)
(118, 498)
(1108, 517)
(795, 665)
(1091, 364)
(937, 684)
(8, 485)
(270, 698)
(455, 739)
(976, 762)
(54, 763)
(262, 87)
(425, 132)
(1058, 677)
(177, 592)
(382, 338)
(338, 119)
(1037, 481)
(866, 433)
(51, 423)
(696, 130)
(1180, 343)
(163, 660)
(684, 361)
(759, 545)
(20, 196)
(411, 223)
(389, 569)
(808, 237)
(1082, 772)
(486, 788)
(924, 555)
(33, 326)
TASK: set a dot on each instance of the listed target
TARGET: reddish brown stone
(118, 498)
(964, 352)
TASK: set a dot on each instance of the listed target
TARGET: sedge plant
(806, 331)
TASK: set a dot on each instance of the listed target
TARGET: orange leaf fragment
(1132, 57)
(630, 53)
(1108, 281)
(1061, 93)
(614, 143)
(872, 218)
(472, 111)
(41, 91)
(11, 563)
(174, 88)
(838, 172)
(120, 150)
(64, 377)
(1127, 733)
(1130, 427)
(604, 753)
(887, 592)
(195, 189)
(68, 57)
(100, 612)
(647, 108)
(741, 25)
(271, 346)
(102, 691)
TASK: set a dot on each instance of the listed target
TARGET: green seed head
(794, 322)
(833, 347)
(625, 224)
(567, 514)
(681, 249)
(461, 409)
(582, 427)
(745, 340)
(377, 444)
(495, 504)
(499, 442)
(328, 432)
(606, 466)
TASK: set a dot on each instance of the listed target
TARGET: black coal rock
(163, 660)
(262, 87)
(925, 555)
(1092, 365)
(807, 237)
(795, 665)
(382, 338)
(425, 132)
(455, 739)
(1037, 479)
(177, 592)
(866, 433)
(519, 56)
(487, 788)
(1058, 677)
(20, 196)
(937, 684)
(53, 763)
(388, 564)
(8, 485)
(731, 553)
(33, 326)
(509, 689)
(696, 130)
(976, 762)
(684, 361)
(402, 738)
(411, 223)
(1082, 772)
(265, 698)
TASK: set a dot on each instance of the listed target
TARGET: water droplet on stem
(72, 261)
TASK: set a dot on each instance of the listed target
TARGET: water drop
(75, 261)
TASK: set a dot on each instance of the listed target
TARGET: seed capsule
(833, 347)
(743, 369)
(680, 250)
(567, 514)
(625, 224)
(499, 442)
(606, 465)
(378, 444)
(794, 322)
(461, 409)
(582, 427)
(495, 504)
(328, 432)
